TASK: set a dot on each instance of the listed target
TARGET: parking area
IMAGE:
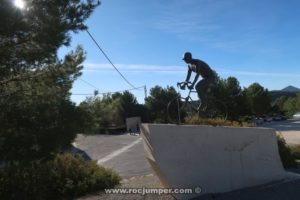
(289, 129)
(124, 153)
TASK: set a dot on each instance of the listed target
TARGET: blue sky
(254, 41)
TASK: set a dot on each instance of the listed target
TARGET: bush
(295, 149)
(34, 129)
(195, 120)
(287, 158)
(64, 177)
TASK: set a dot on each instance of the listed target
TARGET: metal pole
(179, 120)
(145, 90)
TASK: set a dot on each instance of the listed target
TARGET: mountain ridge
(289, 91)
(290, 88)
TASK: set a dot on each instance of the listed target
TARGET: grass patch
(195, 120)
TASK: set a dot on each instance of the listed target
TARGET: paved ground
(278, 191)
(289, 129)
(125, 154)
(149, 181)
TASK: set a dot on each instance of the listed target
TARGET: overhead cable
(105, 55)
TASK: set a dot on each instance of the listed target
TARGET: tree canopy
(101, 113)
(157, 103)
(258, 99)
(230, 92)
(37, 116)
(292, 105)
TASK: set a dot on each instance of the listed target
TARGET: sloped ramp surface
(216, 159)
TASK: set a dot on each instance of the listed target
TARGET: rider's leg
(200, 87)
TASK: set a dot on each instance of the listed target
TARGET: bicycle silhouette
(186, 106)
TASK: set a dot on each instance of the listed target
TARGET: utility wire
(109, 60)
(89, 84)
(111, 92)
(136, 88)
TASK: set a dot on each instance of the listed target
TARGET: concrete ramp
(215, 159)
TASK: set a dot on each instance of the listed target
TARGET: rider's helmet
(187, 56)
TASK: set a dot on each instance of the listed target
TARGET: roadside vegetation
(100, 115)
(288, 154)
(295, 150)
(195, 120)
(38, 119)
(64, 177)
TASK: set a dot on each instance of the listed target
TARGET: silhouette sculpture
(208, 78)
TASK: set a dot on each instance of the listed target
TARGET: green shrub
(295, 149)
(287, 158)
(65, 177)
(195, 120)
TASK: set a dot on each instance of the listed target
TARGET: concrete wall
(217, 159)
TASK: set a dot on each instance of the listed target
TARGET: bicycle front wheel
(173, 111)
(191, 107)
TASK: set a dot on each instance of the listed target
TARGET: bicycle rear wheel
(173, 111)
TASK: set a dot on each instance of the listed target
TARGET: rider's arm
(188, 76)
(195, 80)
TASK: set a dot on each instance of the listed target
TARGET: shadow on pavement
(77, 151)
(280, 191)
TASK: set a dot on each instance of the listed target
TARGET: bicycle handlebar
(182, 85)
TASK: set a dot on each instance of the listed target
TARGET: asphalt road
(123, 153)
(289, 129)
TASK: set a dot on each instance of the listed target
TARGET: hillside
(289, 91)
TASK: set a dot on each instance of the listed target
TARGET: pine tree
(37, 116)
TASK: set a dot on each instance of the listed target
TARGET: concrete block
(216, 159)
